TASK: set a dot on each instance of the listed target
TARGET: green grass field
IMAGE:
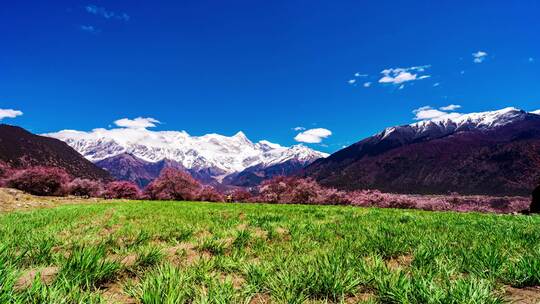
(184, 252)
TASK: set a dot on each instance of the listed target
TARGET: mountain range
(493, 153)
(496, 152)
(20, 148)
(139, 154)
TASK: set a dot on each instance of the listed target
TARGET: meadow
(193, 252)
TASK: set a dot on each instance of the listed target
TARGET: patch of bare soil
(16, 200)
(185, 254)
(261, 298)
(114, 293)
(528, 295)
(403, 261)
(236, 279)
(283, 233)
(47, 275)
(129, 260)
(203, 234)
(242, 226)
(260, 233)
(359, 298)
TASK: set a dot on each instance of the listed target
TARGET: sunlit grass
(184, 252)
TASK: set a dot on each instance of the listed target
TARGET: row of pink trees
(173, 184)
(52, 181)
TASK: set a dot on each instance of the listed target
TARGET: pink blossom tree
(173, 184)
(46, 181)
(210, 194)
(85, 187)
(122, 190)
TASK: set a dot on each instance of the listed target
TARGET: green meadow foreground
(186, 252)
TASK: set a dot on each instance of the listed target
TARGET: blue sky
(264, 67)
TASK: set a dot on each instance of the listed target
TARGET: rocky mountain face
(136, 154)
(130, 168)
(496, 153)
(20, 148)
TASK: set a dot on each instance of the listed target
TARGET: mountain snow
(218, 154)
(454, 122)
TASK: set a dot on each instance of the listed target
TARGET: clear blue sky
(263, 67)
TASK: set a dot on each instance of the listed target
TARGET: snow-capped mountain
(495, 152)
(217, 155)
(455, 122)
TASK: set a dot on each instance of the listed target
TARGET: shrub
(44, 181)
(292, 190)
(84, 187)
(122, 189)
(209, 194)
(241, 195)
(274, 190)
(334, 197)
(4, 169)
(173, 184)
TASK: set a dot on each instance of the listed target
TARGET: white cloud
(537, 112)
(399, 76)
(101, 11)
(137, 123)
(367, 84)
(436, 84)
(299, 129)
(352, 81)
(313, 136)
(428, 113)
(450, 107)
(360, 75)
(479, 56)
(9, 113)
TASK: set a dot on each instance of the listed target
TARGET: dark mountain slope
(499, 156)
(20, 148)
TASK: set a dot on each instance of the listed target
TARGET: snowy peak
(219, 154)
(456, 122)
(490, 119)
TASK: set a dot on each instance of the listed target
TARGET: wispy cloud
(428, 112)
(89, 29)
(367, 84)
(479, 56)
(351, 81)
(137, 123)
(450, 107)
(299, 129)
(9, 113)
(400, 76)
(102, 12)
(357, 74)
(313, 136)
